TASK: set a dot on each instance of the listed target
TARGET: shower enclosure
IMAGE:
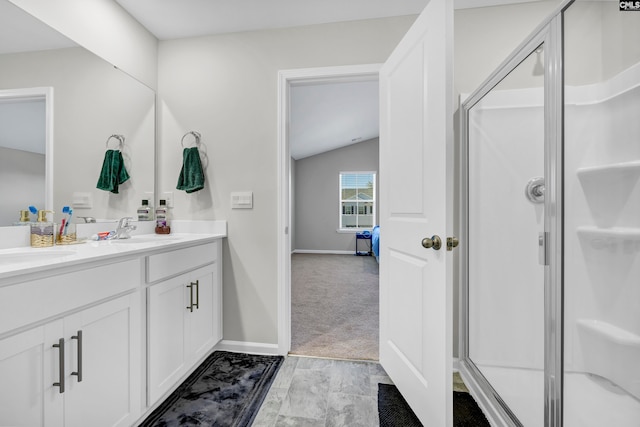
(550, 296)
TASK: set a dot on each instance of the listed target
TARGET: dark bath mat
(394, 411)
(226, 390)
(466, 412)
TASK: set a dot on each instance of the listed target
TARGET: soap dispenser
(25, 219)
(144, 211)
(42, 231)
(162, 219)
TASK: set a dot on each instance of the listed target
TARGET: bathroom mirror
(89, 100)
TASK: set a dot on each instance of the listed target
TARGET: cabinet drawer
(30, 302)
(169, 264)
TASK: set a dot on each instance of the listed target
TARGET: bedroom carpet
(226, 390)
(334, 306)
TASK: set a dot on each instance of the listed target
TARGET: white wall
(225, 87)
(484, 37)
(104, 28)
(317, 195)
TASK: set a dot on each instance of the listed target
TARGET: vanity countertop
(27, 260)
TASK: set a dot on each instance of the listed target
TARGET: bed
(375, 242)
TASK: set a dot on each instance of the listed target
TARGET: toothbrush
(69, 211)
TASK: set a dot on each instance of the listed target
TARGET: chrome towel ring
(195, 134)
(120, 139)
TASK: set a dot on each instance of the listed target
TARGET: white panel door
(103, 351)
(29, 366)
(166, 325)
(416, 130)
(202, 321)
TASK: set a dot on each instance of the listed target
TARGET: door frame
(286, 79)
(45, 93)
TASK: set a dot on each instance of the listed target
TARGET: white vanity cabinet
(78, 364)
(184, 313)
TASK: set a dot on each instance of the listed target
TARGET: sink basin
(34, 255)
(145, 239)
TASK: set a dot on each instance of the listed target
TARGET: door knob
(452, 242)
(432, 243)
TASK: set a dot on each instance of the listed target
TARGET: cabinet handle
(78, 373)
(190, 306)
(60, 347)
(197, 284)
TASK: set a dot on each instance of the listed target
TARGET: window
(357, 200)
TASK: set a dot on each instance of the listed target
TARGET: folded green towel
(191, 177)
(113, 172)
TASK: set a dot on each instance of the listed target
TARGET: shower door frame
(549, 34)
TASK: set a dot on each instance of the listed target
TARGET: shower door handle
(542, 248)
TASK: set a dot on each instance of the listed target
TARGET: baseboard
(322, 251)
(248, 347)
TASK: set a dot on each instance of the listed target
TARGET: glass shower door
(602, 216)
(505, 211)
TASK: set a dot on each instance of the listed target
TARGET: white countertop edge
(28, 260)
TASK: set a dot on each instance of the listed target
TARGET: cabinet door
(203, 323)
(29, 365)
(104, 349)
(166, 326)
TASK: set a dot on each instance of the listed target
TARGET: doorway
(288, 79)
(26, 148)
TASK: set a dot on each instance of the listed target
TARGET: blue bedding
(375, 240)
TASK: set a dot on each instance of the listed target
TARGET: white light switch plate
(82, 200)
(168, 196)
(242, 200)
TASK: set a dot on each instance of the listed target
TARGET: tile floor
(312, 392)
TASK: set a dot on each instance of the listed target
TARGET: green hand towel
(191, 177)
(113, 172)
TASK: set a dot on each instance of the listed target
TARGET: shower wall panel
(602, 178)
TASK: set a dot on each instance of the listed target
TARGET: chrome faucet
(124, 228)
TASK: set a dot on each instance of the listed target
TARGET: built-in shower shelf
(611, 332)
(616, 233)
(613, 170)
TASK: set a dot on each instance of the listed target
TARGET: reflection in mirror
(25, 150)
(91, 101)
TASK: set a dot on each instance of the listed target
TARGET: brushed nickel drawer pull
(78, 373)
(60, 347)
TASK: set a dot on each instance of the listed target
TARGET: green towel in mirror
(191, 177)
(113, 172)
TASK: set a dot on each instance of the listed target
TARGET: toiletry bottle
(144, 211)
(24, 218)
(42, 231)
(162, 218)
